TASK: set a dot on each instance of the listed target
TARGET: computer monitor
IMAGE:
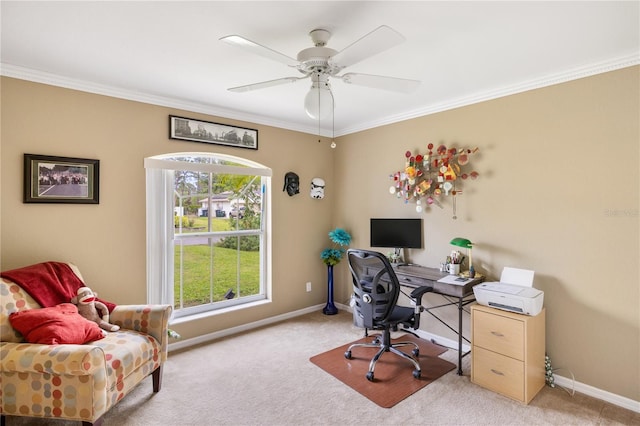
(396, 233)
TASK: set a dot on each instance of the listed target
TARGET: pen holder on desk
(453, 268)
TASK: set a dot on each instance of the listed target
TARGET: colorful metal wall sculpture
(433, 175)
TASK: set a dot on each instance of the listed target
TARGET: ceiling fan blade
(393, 84)
(265, 84)
(378, 40)
(258, 49)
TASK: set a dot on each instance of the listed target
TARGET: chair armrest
(74, 360)
(148, 319)
(417, 293)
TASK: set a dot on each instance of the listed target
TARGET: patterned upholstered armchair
(78, 381)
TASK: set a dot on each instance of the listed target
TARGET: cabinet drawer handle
(499, 373)
(497, 334)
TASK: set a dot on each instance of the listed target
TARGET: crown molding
(538, 83)
(36, 76)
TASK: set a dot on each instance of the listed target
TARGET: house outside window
(201, 257)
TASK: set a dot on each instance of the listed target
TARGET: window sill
(212, 313)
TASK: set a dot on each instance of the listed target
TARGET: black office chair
(376, 290)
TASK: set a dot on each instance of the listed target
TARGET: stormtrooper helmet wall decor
(291, 183)
(317, 188)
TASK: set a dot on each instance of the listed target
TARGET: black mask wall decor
(291, 183)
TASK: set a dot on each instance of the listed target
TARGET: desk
(459, 295)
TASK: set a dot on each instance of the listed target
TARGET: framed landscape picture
(187, 129)
(49, 179)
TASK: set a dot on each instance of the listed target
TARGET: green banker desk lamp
(463, 242)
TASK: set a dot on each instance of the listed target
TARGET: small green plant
(184, 219)
(549, 372)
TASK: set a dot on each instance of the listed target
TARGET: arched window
(207, 231)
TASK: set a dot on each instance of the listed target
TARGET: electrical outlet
(309, 286)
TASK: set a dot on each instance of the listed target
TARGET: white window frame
(160, 224)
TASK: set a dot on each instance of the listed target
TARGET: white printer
(514, 292)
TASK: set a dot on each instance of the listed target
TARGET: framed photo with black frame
(188, 129)
(67, 180)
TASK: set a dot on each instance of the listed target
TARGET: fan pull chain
(333, 127)
(318, 114)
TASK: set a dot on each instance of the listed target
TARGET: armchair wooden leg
(157, 379)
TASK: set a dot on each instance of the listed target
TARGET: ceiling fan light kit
(319, 102)
(321, 62)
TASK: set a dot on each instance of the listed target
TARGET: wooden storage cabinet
(507, 353)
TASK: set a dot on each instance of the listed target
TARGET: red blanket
(49, 283)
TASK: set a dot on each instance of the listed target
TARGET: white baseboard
(566, 383)
(442, 341)
(244, 327)
(603, 395)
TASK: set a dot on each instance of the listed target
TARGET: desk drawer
(498, 373)
(414, 281)
(498, 334)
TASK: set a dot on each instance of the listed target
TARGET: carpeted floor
(393, 375)
(264, 377)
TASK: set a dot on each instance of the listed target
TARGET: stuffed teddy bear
(93, 309)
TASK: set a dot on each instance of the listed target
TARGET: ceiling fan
(319, 63)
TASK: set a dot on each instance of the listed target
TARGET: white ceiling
(169, 53)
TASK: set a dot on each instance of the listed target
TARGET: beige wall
(107, 241)
(558, 194)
